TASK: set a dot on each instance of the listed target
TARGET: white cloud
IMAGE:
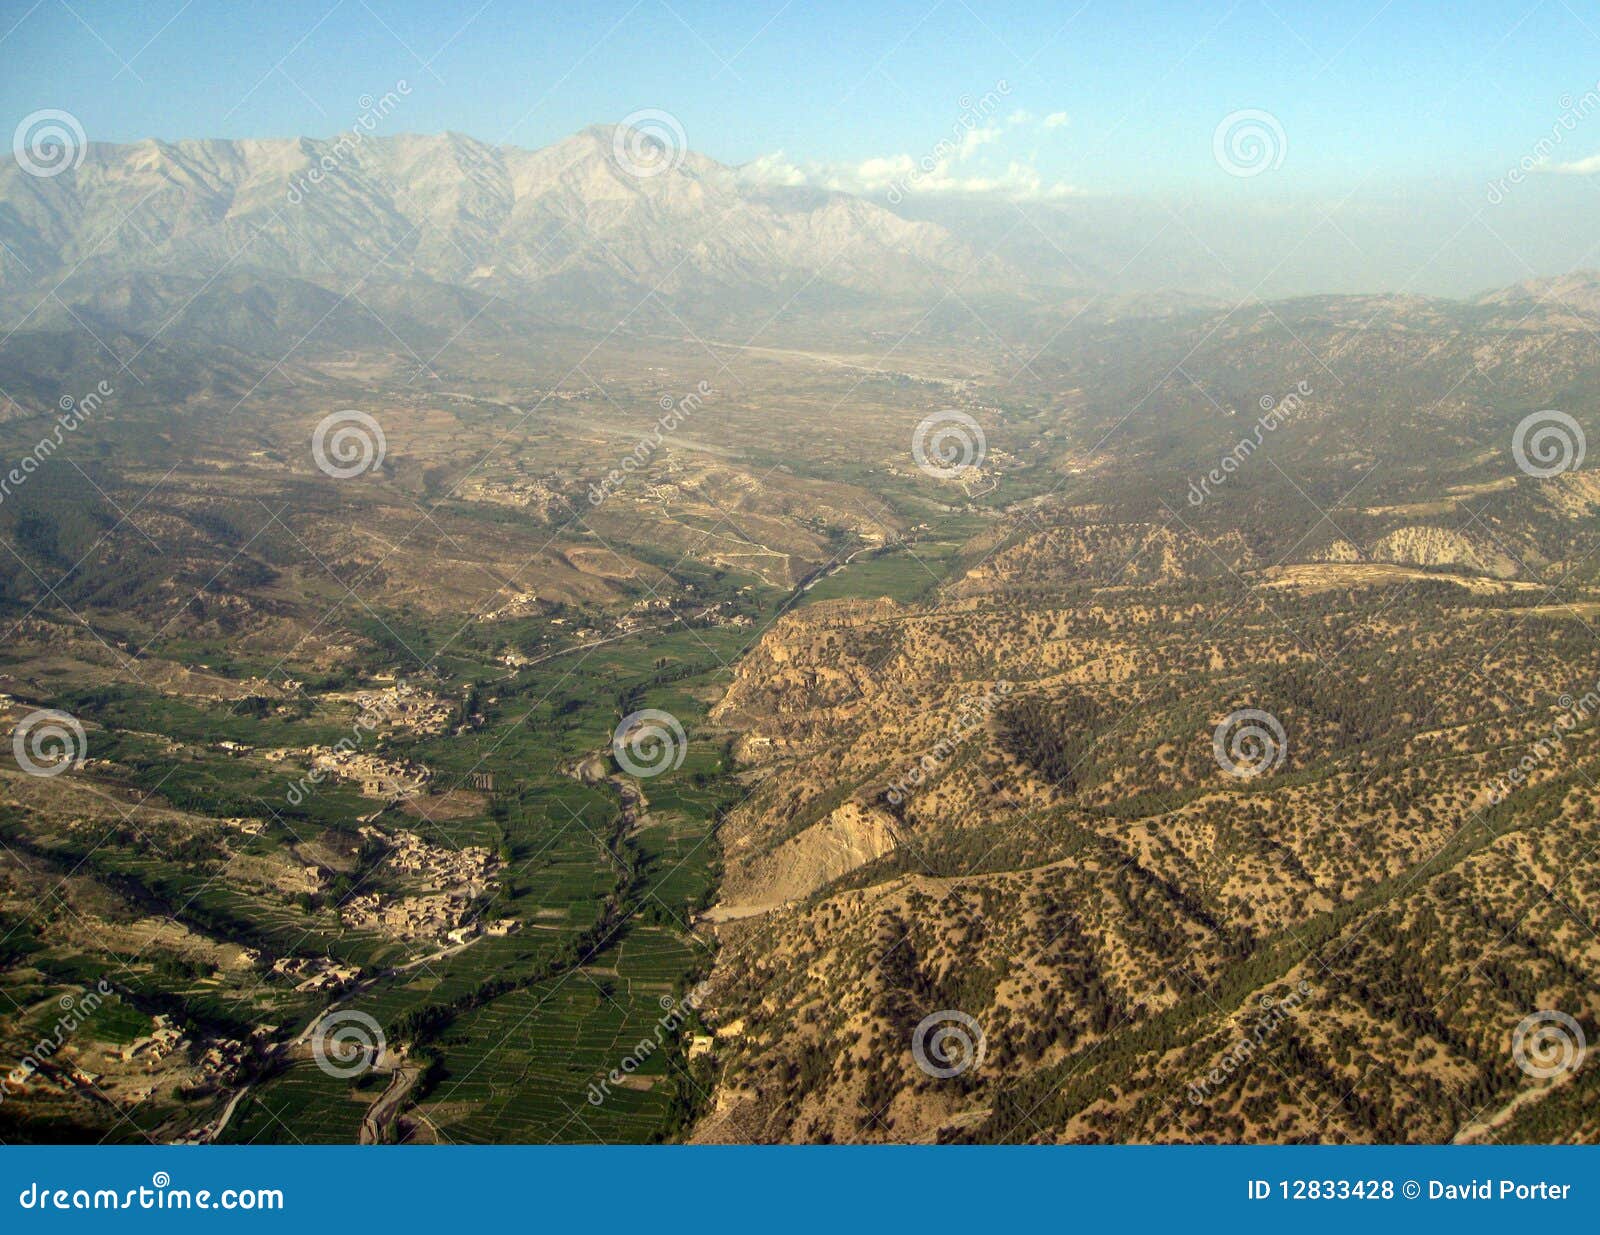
(1583, 167)
(901, 175)
(772, 168)
(973, 138)
(1019, 182)
(955, 164)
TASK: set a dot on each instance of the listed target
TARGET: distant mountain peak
(607, 215)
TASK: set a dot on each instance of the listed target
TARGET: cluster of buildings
(523, 494)
(453, 879)
(518, 603)
(163, 1038)
(163, 1059)
(377, 776)
(315, 973)
(220, 1060)
(434, 915)
(469, 867)
(405, 706)
(718, 614)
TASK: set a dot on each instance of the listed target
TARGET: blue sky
(1365, 92)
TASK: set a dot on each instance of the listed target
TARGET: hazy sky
(1361, 89)
(1344, 102)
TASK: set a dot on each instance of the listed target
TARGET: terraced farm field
(519, 1026)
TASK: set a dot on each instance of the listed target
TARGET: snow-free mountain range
(142, 226)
